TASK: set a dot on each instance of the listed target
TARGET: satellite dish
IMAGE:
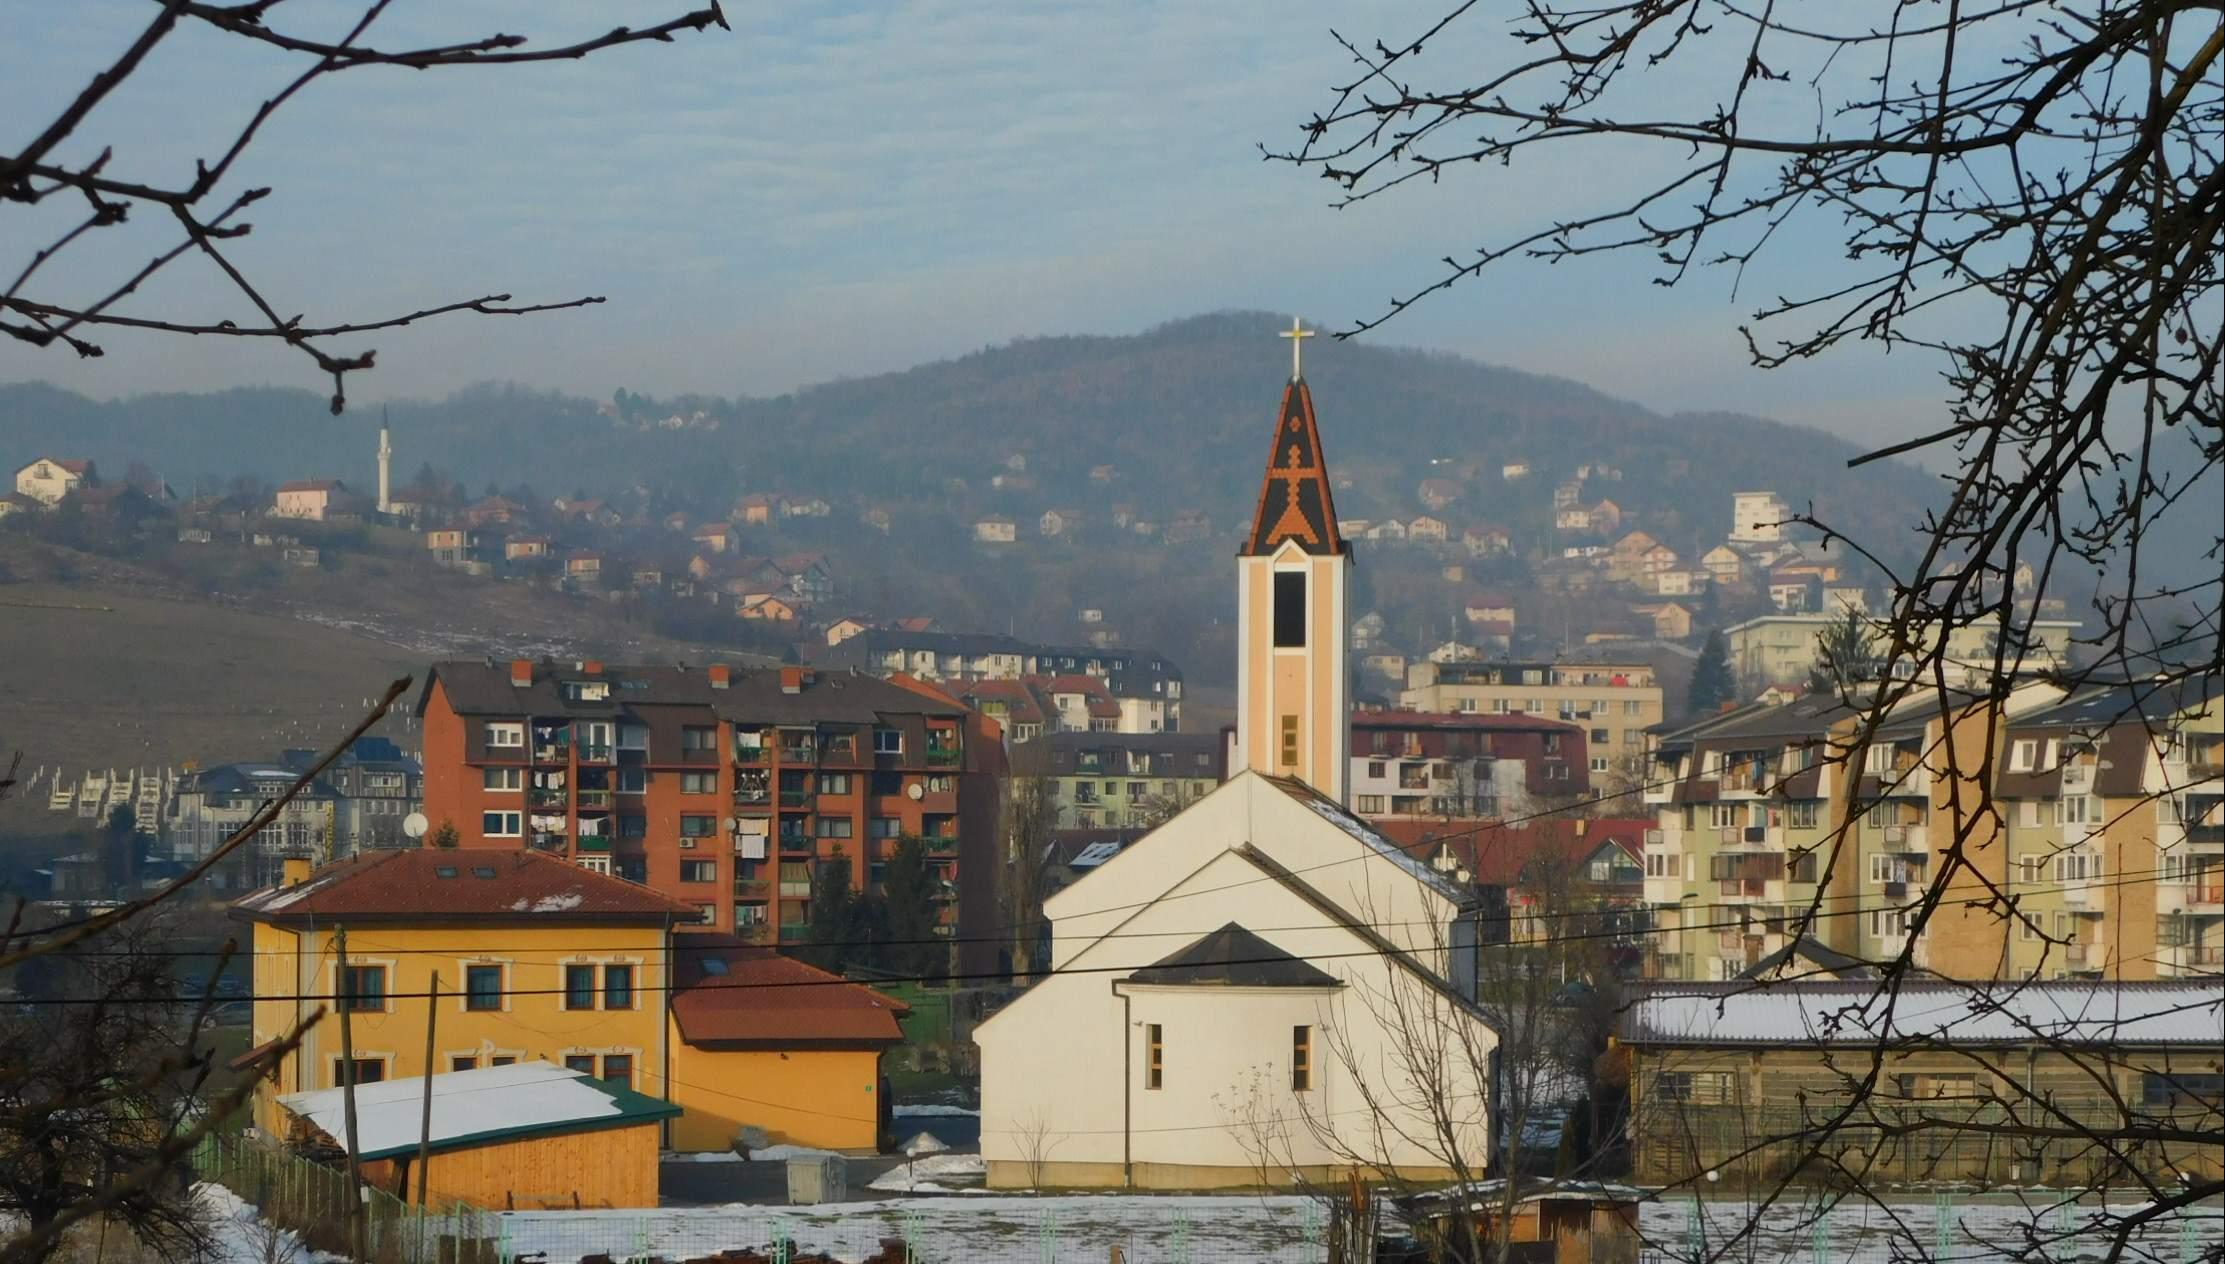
(415, 825)
(916, 790)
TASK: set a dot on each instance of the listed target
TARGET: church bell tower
(1293, 699)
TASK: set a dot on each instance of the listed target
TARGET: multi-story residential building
(50, 479)
(1757, 518)
(1119, 780)
(1408, 764)
(1778, 649)
(722, 787)
(538, 961)
(1144, 684)
(2072, 809)
(311, 500)
(1613, 702)
(357, 804)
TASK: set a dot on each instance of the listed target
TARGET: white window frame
(2021, 753)
(505, 735)
(511, 780)
(515, 821)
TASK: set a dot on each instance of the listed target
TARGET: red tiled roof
(75, 464)
(754, 997)
(451, 885)
(311, 485)
(1099, 699)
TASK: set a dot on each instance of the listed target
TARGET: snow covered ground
(1003, 1229)
(240, 1236)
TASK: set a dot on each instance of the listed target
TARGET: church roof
(1294, 499)
(1234, 957)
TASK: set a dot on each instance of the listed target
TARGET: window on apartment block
(502, 780)
(1301, 1059)
(698, 871)
(502, 1060)
(633, 825)
(582, 1062)
(618, 1069)
(1290, 741)
(697, 826)
(1154, 1063)
(634, 869)
(618, 986)
(699, 783)
(367, 1071)
(502, 824)
(835, 827)
(463, 1062)
(1290, 609)
(1701, 1088)
(363, 988)
(883, 827)
(2021, 755)
(483, 987)
(834, 783)
(888, 741)
(579, 986)
(633, 781)
(505, 735)
(1804, 866)
(1803, 813)
(1370, 804)
(2182, 1088)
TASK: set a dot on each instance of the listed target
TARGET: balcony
(548, 840)
(749, 756)
(596, 752)
(2202, 896)
(752, 789)
(795, 934)
(1907, 839)
(2200, 958)
(549, 797)
(552, 752)
(794, 751)
(2078, 778)
(596, 800)
(752, 889)
(594, 843)
(791, 797)
(753, 932)
(944, 756)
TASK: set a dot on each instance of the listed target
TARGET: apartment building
(1119, 780)
(1768, 812)
(1613, 702)
(1780, 648)
(212, 804)
(721, 787)
(1408, 764)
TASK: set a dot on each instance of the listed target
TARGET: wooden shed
(523, 1136)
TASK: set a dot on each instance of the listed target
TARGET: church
(1264, 990)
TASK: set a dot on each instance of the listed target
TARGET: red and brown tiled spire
(1295, 502)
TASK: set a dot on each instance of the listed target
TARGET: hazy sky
(842, 189)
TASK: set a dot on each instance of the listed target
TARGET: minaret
(1292, 696)
(386, 466)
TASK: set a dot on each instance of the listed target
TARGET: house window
(1804, 866)
(1290, 609)
(483, 987)
(698, 783)
(633, 825)
(1803, 813)
(618, 1069)
(1370, 804)
(2031, 867)
(1290, 741)
(505, 736)
(502, 1060)
(1301, 1059)
(698, 871)
(883, 827)
(834, 783)
(2020, 755)
(618, 986)
(1378, 768)
(888, 742)
(2180, 1088)
(698, 738)
(633, 781)
(579, 987)
(1598, 763)
(835, 827)
(582, 1062)
(1701, 1088)
(1154, 1066)
(363, 989)
(697, 826)
(367, 1071)
(502, 780)
(463, 1062)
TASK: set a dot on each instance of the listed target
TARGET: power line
(1620, 935)
(679, 944)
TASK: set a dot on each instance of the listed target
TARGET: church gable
(1295, 501)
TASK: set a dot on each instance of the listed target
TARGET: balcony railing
(943, 757)
(590, 842)
(799, 752)
(792, 798)
(548, 796)
(2078, 778)
(750, 756)
(751, 888)
(795, 934)
(596, 800)
(552, 752)
(596, 752)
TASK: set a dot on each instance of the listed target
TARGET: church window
(1154, 1067)
(1290, 609)
(1290, 741)
(1301, 1059)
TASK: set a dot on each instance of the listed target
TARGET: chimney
(794, 679)
(293, 871)
(521, 672)
(721, 675)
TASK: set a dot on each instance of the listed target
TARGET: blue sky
(843, 189)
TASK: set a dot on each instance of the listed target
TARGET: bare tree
(207, 208)
(1037, 1140)
(1030, 825)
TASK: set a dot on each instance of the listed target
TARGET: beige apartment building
(2102, 832)
(1614, 702)
(1779, 649)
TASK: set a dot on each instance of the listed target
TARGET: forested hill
(1178, 411)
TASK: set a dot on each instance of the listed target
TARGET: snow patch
(930, 1110)
(781, 1153)
(700, 1156)
(931, 1173)
(238, 1233)
(550, 903)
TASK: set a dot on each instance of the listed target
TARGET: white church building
(1264, 989)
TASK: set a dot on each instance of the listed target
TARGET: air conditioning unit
(1896, 889)
(1896, 833)
(687, 844)
(1757, 834)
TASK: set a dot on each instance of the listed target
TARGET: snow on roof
(1415, 866)
(469, 1106)
(1094, 855)
(1857, 1013)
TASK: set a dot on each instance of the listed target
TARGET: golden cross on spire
(1297, 335)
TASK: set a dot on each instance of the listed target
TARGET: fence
(1952, 1229)
(312, 1201)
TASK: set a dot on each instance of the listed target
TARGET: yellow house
(539, 960)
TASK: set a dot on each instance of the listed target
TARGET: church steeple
(1292, 692)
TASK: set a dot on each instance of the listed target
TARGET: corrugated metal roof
(1930, 1012)
(476, 1107)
